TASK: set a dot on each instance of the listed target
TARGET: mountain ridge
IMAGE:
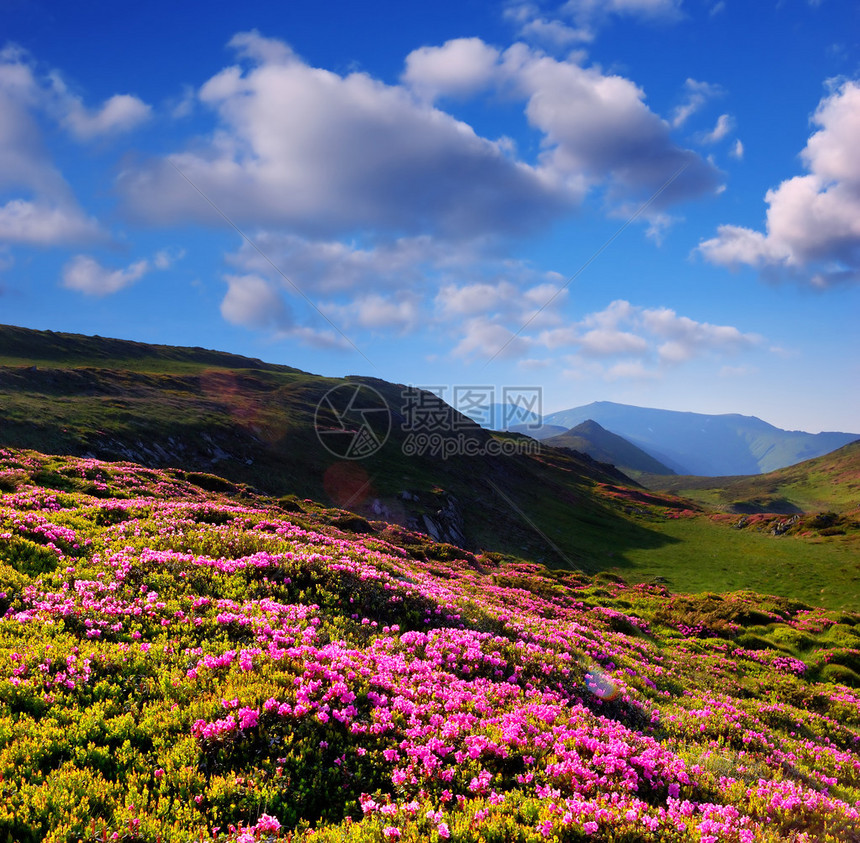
(591, 438)
(705, 445)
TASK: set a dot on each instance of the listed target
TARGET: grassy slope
(828, 482)
(89, 395)
(167, 406)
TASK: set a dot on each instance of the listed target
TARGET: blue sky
(654, 202)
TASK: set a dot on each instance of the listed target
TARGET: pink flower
(443, 830)
(391, 832)
(268, 823)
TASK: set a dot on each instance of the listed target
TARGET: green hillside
(831, 482)
(253, 423)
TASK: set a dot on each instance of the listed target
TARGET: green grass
(828, 482)
(165, 406)
(700, 555)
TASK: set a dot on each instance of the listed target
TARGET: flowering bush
(178, 663)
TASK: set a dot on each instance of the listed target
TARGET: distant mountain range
(684, 443)
(705, 445)
(592, 439)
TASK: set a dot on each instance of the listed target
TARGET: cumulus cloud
(459, 68)
(603, 341)
(621, 341)
(378, 312)
(533, 25)
(86, 275)
(50, 93)
(45, 211)
(321, 153)
(630, 370)
(598, 130)
(485, 338)
(473, 299)
(812, 231)
(252, 302)
(120, 113)
(46, 223)
(686, 338)
(624, 329)
(165, 258)
(332, 266)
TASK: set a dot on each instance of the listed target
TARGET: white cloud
(630, 370)
(696, 94)
(45, 212)
(333, 266)
(255, 303)
(458, 68)
(165, 258)
(86, 275)
(533, 364)
(812, 230)
(252, 302)
(321, 153)
(736, 371)
(50, 93)
(324, 155)
(602, 341)
(502, 302)
(484, 338)
(598, 130)
(120, 113)
(42, 223)
(577, 21)
(737, 150)
(642, 341)
(725, 124)
(626, 329)
(686, 338)
(552, 32)
(378, 312)
(474, 299)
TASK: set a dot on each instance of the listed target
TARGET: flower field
(178, 663)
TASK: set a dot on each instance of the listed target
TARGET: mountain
(287, 432)
(539, 432)
(706, 445)
(592, 439)
(831, 482)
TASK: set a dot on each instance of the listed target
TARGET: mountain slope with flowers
(255, 423)
(179, 664)
(208, 413)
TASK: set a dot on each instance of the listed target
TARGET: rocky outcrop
(443, 524)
